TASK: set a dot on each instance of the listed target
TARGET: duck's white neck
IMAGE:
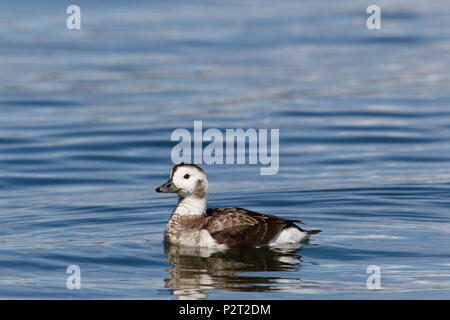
(190, 206)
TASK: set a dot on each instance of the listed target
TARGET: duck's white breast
(200, 238)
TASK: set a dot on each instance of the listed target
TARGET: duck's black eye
(186, 176)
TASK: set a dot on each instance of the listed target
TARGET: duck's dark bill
(167, 187)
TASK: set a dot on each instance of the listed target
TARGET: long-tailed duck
(191, 224)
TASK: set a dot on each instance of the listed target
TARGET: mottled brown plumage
(237, 227)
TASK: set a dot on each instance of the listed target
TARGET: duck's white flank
(289, 235)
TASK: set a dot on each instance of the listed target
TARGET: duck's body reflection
(196, 270)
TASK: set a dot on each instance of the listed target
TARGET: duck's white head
(186, 180)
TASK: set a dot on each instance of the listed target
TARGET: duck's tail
(311, 232)
(308, 232)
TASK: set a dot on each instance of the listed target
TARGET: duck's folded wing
(237, 227)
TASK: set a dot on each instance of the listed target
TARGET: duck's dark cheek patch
(199, 190)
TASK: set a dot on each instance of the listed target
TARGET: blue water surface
(86, 118)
